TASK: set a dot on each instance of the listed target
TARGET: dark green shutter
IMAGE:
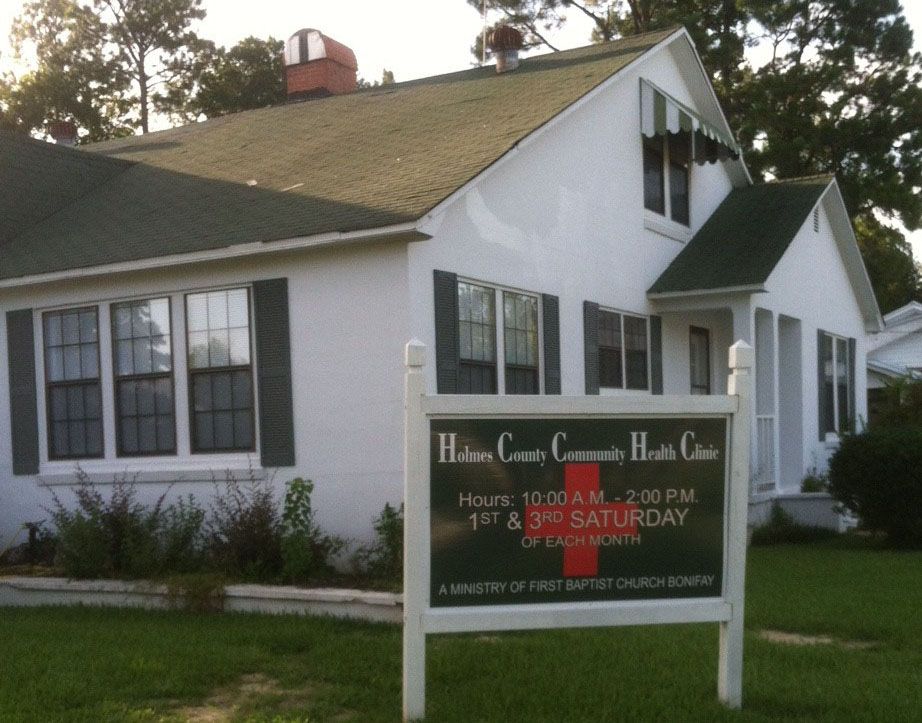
(591, 345)
(273, 365)
(551, 319)
(852, 383)
(821, 410)
(446, 332)
(20, 339)
(656, 355)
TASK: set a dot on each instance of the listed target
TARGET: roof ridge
(797, 179)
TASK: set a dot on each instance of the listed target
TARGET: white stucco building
(238, 292)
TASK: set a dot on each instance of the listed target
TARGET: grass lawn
(114, 665)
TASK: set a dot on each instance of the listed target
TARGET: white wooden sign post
(550, 511)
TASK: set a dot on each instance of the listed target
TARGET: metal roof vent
(505, 42)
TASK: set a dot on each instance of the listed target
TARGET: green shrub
(815, 482)
(781, 529)
(899, 405)
(245, 531)
(120, 537)
(383, 559)
(200, 592)
(306, 550)
(877, 475)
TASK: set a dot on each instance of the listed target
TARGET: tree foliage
(840, 92)
(107, 64)
(249, 75)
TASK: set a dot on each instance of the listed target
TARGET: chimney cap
(64, 132)
(505, 37)
(309, 44)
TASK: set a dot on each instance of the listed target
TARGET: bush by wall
(383, 559)
(781, 529)
(877, 475)
(122, 538)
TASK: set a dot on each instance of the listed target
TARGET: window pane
(243, 430)
(159, 317)
(122, 323)
(198, 349)
(699, 361)
(71, 326)
(476, 322)
(653, 174)
(127, 399)
(147, 434)
(92, 401)
(124, 358)
(217, 310)
(165, 432)
(678, 193)
(242, 390)
(163, 391)
(221, 391)
(218, 349)
(129, 438)
(237, 311)
(142, 356)
(197, 312)
(140, 321)
(610, 348)
(146, 402)
(94, 438)
(635, 352)
(827, 412)
(842, 384)
(89, 361)
(161, 354)
(224, 430)
(60, 443)
(53, 330)
(521, 315)
(55, 361)
(77, 433)
(204, 431)
(58, 404)
(72, 368)
(201, 392)
(239, 346)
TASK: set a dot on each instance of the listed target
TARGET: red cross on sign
(582, 518)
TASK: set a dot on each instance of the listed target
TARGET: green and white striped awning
(660, 113)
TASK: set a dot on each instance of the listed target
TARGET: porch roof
(744, 239)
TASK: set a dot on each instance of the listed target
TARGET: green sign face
(575, 510)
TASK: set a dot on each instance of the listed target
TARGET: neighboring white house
(237, 293)
(895, 352)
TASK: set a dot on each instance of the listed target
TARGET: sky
(411, 38)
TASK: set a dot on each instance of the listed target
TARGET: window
(73, 397)
(220, 371)
(480, 367)
(666, 161)
(836, 383)
(477, 339)
(520, 330)
(699, 348)
(142, 353)
(623, 355)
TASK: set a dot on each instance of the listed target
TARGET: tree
(74, 78)
(249, 75)
(155, 47)
(106, 63)
(387, 78)
(888, 258)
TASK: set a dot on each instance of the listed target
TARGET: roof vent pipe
(63, 132)
(505, 42)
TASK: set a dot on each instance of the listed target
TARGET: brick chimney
(317, 66)
(63, 132)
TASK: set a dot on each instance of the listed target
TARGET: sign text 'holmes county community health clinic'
(575, 510)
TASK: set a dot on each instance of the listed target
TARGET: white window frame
(184, 465)
(623, 390)
(662, 223)
(498, 308)
(836, 419)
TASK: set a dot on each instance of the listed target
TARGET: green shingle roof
(373, 158)
(743, 240)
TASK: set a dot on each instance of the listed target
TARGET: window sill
(155, 470)
(665, 227)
